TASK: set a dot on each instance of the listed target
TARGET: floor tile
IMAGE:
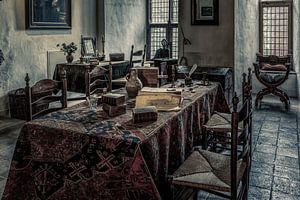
(287, 143)
(263, 168)
(267, 140)
(260, 180)
(288, 129)
(283, 196)
(287, 172)
(290, 152)
(256, 193)
(287, 136)
(287, 161)
(270, 126)
(287, 186)
(263, 157)
(265, 148)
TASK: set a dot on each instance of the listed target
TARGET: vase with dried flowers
(68, 49)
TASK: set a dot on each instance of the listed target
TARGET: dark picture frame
(88, 46)
(205, 12)
(48, 14)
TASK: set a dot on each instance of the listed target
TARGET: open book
(164, 99)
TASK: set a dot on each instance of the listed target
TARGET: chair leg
(283, 97)
(260, 95)
(204, 139)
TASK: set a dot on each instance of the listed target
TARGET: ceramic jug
(133, 83)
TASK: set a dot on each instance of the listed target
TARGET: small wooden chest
(113, 99)
(144, 114)
(148, 76)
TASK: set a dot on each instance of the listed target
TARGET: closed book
(113, 111)
(144, 114)
(113, 99)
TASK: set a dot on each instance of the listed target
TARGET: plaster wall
(26, 50)
(211, 45)
(296, 43)
(246, 38)
(125, 25)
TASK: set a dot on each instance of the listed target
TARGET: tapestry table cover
(81, 153)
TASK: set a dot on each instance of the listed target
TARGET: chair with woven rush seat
(98, 80)
(272, 71)
(216, 130)
(223, 175)
(141, 55)
(46, 88)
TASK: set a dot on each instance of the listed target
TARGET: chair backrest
(141, 54)
(40, 95)
(98, 80)
(244, 117)
(273, 59)
(247, 85)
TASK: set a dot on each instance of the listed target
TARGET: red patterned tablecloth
(79, 153)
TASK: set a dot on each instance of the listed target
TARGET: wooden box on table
(113, 99)
(114, 104)
(144, 114)
(148, 76)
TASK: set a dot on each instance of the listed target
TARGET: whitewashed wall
(246, 43)
(26, 50)
(125, 25)
(296, 43)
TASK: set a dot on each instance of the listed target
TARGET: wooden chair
(141, 54)
(98, 80)
(272, 71)
(41, 95)
(223, 175)
(216, 129)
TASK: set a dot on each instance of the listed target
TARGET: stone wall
(246, 38)
(26, 50)
(125, 25)
(296, 42)
(211, 45)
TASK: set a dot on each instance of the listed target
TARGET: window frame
(262, 5)
(168, 26)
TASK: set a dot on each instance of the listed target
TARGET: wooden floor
(276, 166)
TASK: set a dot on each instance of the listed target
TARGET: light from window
(163, 24)
(275, 28)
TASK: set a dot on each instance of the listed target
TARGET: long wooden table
(81, 153)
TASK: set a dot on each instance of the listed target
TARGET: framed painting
(88, 46)
(205, 12)
(48, 14)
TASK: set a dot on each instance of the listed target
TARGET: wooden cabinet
(223, 75)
